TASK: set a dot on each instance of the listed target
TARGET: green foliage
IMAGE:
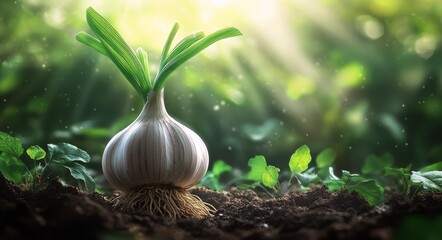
(12, 168)
(431, 181)
(13, 164)
(261, 174)
(189, 50)
(257, 166)
(369, 189)
(118, 51)
(432, 167)
(270, 176)
(10, 145)
(300, 159)
(64, 152)
(325, 158)
(134, 65)
(212, 178)
(264, 175)
(426, 179)
(36, 152)
(402, 177)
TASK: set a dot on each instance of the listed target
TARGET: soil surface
(64, 212)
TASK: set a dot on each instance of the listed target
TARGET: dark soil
(64, 212)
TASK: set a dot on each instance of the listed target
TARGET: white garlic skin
(155, 149)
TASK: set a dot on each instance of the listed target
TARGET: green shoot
(134, 65)
(402, 177)
(191, 51)
(119, 51)
(91, 42)
(167, 45)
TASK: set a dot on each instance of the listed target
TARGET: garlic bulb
(155, 150)
(155, 159)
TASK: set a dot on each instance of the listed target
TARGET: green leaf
(306, 178)
(258, 165)
(375, 164)
(351, 178)
(431, 180)
(270, 176)
(184, 44)
(220, 167)
(300, 159)
(191, 52)
(79, 172)
(91, 42)
(64, 152)
(325, 158)
(12, 168)
(370, 190)
(334, 184)
(10, 145)
(166, 47)
(119, 51)
(433, 167)
(36, 152)
(396, 171)
(142, 57)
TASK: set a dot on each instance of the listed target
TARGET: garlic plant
(155, 159)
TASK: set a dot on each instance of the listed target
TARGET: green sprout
(134, 64)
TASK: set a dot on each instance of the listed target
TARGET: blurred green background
(361, 77)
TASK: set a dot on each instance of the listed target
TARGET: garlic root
(164, 200)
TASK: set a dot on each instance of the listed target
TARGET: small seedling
(267, 176)
(369, 189)
(428, 178)
(41, 165)
(212, 179)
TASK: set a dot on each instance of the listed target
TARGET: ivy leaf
(270, 176)
(79, 172)
(258, 166)
(325, 158)
(12, 168)
(431, 180)
(64, 152)
(10, 145)
(370, 190)
(36, 152)
(300, 159)
(375, 164)
(220, 167)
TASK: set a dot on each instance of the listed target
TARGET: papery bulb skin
(155, 150)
